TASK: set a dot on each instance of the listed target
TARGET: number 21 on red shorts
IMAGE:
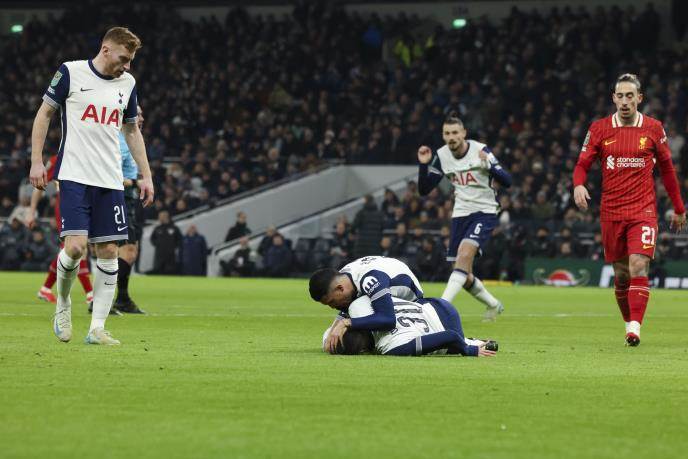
(623, 238)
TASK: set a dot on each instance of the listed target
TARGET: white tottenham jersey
(414, 319)
(93, 109)
(364, 274)
(470, 177)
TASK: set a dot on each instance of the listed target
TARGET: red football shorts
(626, 237)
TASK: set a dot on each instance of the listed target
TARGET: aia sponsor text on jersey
(91, 112)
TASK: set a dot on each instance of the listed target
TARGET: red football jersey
(50, 171)
(627, 156)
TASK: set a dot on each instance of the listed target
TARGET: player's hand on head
(581, 197)
(424, 154)
(336, 336)
(678, 222)
(147, 191)
(38, 176)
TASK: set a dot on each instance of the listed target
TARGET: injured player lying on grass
(426, 326)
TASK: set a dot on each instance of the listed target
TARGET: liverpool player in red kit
(628, 144)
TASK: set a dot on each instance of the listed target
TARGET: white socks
(104, 284)
(67, 269)
(481, 294)
(454, 284)
(633, 327)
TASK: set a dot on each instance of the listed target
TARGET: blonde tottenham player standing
(471, 167)
(96, 99)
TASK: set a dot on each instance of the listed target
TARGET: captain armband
(492, 160)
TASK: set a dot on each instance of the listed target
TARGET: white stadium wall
(287, 203)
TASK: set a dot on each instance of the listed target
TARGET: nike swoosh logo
(647, 246)
(110, 284)
(84, 90)
(122, 228)
(609, 143)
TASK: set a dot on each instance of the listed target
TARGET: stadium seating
(261, 113)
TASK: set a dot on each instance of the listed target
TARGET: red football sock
(84, 277)
(638, 295)
(52, 275)
(621, 293)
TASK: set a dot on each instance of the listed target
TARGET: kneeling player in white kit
(426, 326)
(378, 278)
(471, 167)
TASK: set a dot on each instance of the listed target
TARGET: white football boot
(101, 336)
(492, 313)
(62, 324)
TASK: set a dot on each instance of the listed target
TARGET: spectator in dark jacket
(542, 245)
(278, 258)
(386, 247)
(401, 240)
(6, 206)
(241, 263)
(166, 239)
(429, 259)
(398, 216)
(389, 203)
(38, 253)
(239, 229)
(13, 236)
(194, 253)
(266, 242)
(342, 245)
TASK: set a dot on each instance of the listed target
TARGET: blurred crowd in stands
(242, 101)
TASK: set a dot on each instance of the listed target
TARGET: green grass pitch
(232, 368)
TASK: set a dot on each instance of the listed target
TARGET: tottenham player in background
(471, 167)
(379, 278)
(628, 144)
(96, 99)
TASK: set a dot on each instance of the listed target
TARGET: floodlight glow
(459, 23)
